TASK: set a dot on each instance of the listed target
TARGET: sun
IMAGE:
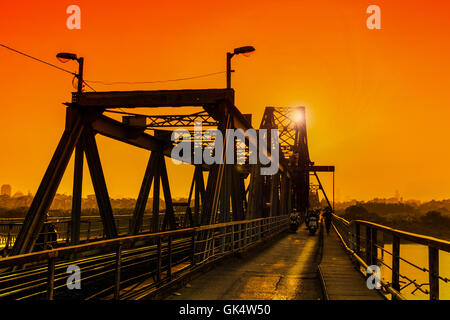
(297, 116)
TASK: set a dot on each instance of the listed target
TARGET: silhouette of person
(52, 236)
(327, 217)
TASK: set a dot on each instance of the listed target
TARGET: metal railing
(366, 243)
(91, 228)
(148, 261)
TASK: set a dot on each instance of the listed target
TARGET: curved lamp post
(243, 50)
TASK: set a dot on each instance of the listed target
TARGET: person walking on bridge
(327, 217)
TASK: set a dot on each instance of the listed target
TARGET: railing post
(358, 239)
(368, 246)
(223, 239)
(88, 230)
(433, 266)
(213, 244)
(169, 257)
(245, 235)
(50, 278)
(8, 240)
(118, 271)
(158, 262)
(193, 248)
(240, 236)
(68, 231)
(260, 224)
(232, 238)
(130, 222)
(395, 263)
(374, 248)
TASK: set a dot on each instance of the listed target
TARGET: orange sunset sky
(378, 101)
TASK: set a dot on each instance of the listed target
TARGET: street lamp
(241, 50)
(65, 57)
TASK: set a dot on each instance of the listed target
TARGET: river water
(418, 255)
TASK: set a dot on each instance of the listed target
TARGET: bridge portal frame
(85, 119)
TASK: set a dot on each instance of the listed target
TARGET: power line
(89, 86)
(39, 60)
(109, 83)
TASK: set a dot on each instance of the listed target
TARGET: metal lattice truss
(203, 138)
(171, 121)
(290, 122)
(222, 198)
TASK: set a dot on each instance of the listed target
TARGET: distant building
(5, 190)
(18, 194)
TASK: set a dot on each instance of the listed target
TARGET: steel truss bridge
(236, 208)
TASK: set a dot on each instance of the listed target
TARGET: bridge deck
(285, 269)
(340, 278)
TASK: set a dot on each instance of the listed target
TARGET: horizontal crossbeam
(321, 168)
(152, 99)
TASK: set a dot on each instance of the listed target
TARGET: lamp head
(65, 56)
(244, 50)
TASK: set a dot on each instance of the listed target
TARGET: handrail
(353, 228)
(440, 244)
(394, 292)
(53, 253)
(413, 237)
(168, 253)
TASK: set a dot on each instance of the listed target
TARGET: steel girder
(225, 182)
(37, 212)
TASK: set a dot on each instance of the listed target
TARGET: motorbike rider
(312, 220)
(294, 217)
(311, 213)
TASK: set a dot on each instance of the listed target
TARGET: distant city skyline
(396, 197)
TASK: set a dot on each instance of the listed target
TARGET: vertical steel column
(255, 196)
(156, 189)
(99, 183)
(169, 216)
(224, 205)
(237, 197)
(141, 202)
(274, 195)
(36, 215)
(199, 193)
(77, 192)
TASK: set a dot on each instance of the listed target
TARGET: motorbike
(293, 223)
(312, 223)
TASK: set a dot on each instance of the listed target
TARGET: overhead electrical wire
(108, 83)
(86, 82)
(39, 60)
